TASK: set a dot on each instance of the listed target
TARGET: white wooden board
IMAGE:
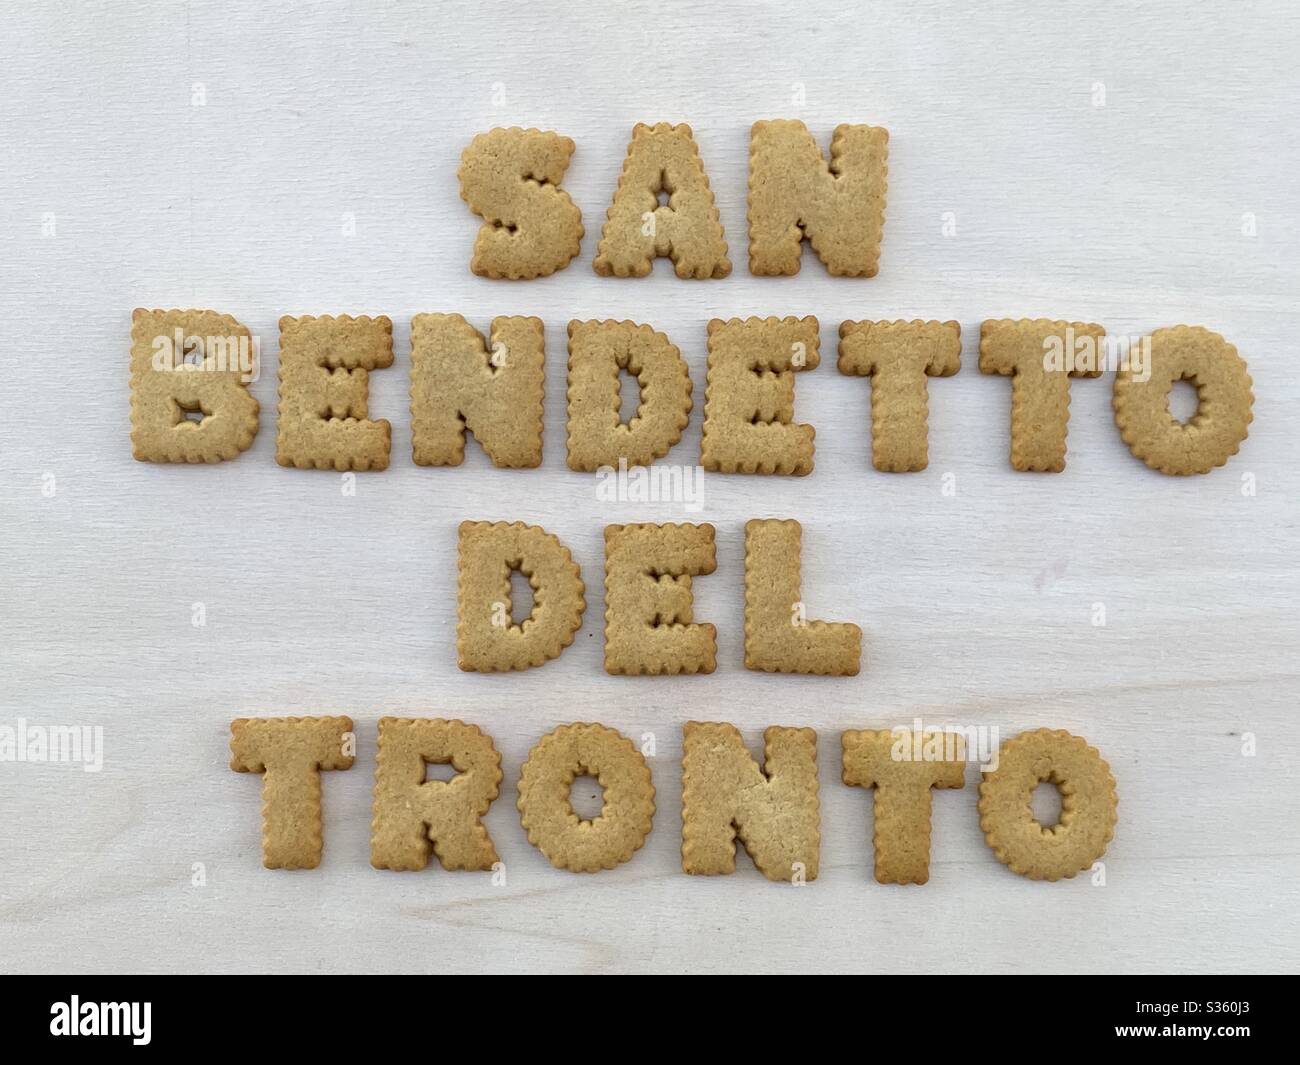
(1101, 163)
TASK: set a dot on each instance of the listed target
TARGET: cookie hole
(1184, 401)
(443, 771)
(664, 621)
(521, 597)
(629, 396)
(190, 412)
(506, 227)
(664, 193)
(1046, 804)
(587, 797)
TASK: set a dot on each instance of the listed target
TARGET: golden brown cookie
(649, 617)
(774, 809)
(1213, 435)
(779, 638)
(1088, 805)
(794, 194)
(290, 753)
(324, 388)
(598, 351)
(511, 179)
(1040, 397)
(495, 391)
(749, 422)
(190, 362)
(662, 159)
(883, 761)
(569, 842)
(411, 812)
(898, 356)
(487, 640)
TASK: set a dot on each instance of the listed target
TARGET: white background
(977, 608)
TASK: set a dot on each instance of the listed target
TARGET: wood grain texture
(977, 606)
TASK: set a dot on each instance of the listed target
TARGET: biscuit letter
(898, 356)
(511, 179)
(597, 436)
(547, 815)
(1185, 353)
(487, 640)
(749, 422)
(190, 362)
(900, 767)
(1088, 803)
(639, 228)
(795, 195)
(290, 753)
(324, 386)
(648, 602)
(775, 809)
(779, 638)
(495, 391)
(411, 812)
(1040, 356)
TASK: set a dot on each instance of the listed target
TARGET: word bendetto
(190, 370)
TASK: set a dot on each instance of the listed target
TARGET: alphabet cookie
(1040, 397)
(774, 809)
(324, 389)
(495, 390)
(487, 639)
(186, 363)
(796, 195)
(598, 351)
(902, 797)
(1213, 435)
(779, 638)
(649, 616)
(511, 179)
(547, 815)
(898, 356)
(1088, 805)
(291, 753)
(662, 160)
(413, 815)
(749, 422)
